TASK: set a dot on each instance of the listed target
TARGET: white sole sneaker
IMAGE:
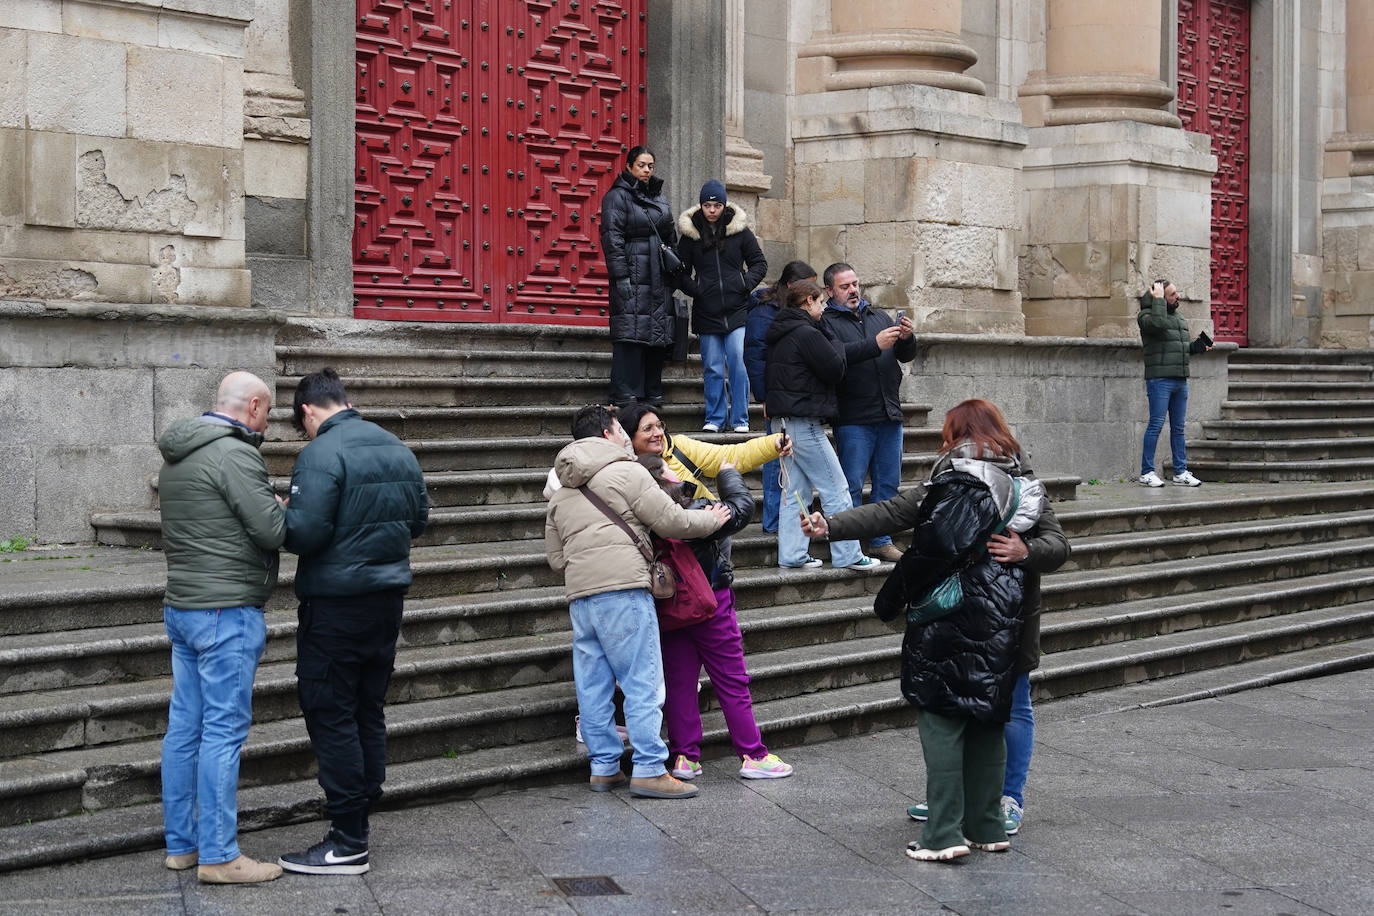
(948, 854)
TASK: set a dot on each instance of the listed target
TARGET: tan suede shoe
(182, 862)
(242, 870)
(664, 786)
(888, 553)
(607, 783)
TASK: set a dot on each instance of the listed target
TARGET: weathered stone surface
(202, 35)
(991, 196)
(963, 256)
(56, 64)
(13, 82)
(74, 481)
(127, 24)
(20, 279)
(1341, 249)
(284, 283)
(36, 15)
(18, 486)
(274, 225)
(72, 406)
(273, 169)
(176, 96)
(837, 193)
(101, 205)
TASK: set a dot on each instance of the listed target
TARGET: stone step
(1187, 507)
(1275, 471)
(1300, 409)
(1280, 450)
(480, 361)
(1279, 430)
(1297, 372)
(834, 713)
(1360, 392)
(1310, 356)
(355, 334)
(457, 391)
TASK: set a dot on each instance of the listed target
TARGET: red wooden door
(487, 132)
(1214, 98)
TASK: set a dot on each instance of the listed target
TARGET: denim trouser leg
(739, 378)
(872, 451)
(615, 639)
(771, 494)
(1020, 735)
(713, 377)
(813, 464)
(1166, 395)
(214, 657)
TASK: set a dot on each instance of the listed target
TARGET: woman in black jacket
(636, 223)
(803, 367)
(722, 263)
(714, 643)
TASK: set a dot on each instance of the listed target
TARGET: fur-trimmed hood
(736, 221)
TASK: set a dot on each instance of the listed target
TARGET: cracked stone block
(76, 84)
(101, 205)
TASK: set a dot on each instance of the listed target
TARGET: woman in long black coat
(635, 221)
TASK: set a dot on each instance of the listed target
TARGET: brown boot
(888, 553)
(664, 786)
(182, 862)
(607, 783)
(242, 870)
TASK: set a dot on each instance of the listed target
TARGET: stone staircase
(1291, 415)
(1254, 586)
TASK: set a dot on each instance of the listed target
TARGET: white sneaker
(1186, 479)
(1151, 480)
(710, 428)
(742, 428)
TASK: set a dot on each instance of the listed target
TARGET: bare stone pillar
(904, 167)
(1359, 86)
(1102, 63)
(1117, 194)
(744, 175)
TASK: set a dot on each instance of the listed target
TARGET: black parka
(713, 551)
(1164, 334)
(803, 367)
(631, 211)
(723, 264)
(357, 500)
(871, 390)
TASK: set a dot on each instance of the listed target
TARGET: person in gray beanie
(722, 263)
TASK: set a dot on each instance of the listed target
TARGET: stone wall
(88, 388)
(121, 135)
(1077, 406)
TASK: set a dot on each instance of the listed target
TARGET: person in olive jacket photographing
(1164, 333)
(357, 500)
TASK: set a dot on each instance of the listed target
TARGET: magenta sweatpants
(716, 645)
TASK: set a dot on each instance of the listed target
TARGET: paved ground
(1255, 803)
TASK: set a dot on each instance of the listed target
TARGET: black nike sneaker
(333, 855)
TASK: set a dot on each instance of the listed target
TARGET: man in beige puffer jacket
(615, 628)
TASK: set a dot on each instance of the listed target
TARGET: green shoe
(918, 812)
(1011, 815)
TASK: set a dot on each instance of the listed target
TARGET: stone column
(1116, 193)
(905, 169)
(744, 175)
(686, 125)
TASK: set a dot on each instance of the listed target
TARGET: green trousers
(966, 761)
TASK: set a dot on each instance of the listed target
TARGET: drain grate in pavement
(588, 886)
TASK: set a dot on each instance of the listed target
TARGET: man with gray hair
(221, 528)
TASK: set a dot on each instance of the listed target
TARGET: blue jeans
(720, 352)
(812, 465)
(1020, 737)
(872, 450)
(1166, 394)
(615, 639)
(771, 494)
(214, 657)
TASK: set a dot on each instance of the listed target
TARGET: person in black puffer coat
(714, 643)
(635, 221)
(722, 263)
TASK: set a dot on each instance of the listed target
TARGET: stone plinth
(1347, 306)
(90, 387)
(919, 188)
(1111, 207)
(121, 134)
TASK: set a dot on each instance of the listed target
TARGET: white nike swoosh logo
(331, 859)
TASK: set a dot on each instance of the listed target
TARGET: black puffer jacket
(804, 366)
(723, 265)
(871, 391)
(630, 212)
(357, 500)
(963, 664)
(713, 552)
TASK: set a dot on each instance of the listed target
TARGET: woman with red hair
(962, 665)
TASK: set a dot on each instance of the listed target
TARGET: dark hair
(802, 290)
(792, 271)
(655, 465)
(591, 421)
(635, 152)
(980, 422)
(838, 267)
(633, 413)
(318, 389)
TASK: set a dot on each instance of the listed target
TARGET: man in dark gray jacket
(357, 500)
(221, 527)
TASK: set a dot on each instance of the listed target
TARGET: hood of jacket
(736, 221)
(578, 462)
(184, 437)
(994, 471)
(786, 321)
